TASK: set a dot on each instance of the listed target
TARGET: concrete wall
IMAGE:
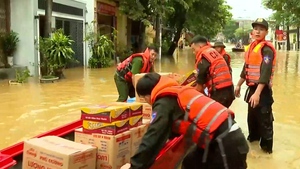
(122, 28)
(22, 22)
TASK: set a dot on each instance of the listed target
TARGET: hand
(126, 166)
(237, 91)
(254, 100)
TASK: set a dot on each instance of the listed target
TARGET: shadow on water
(33, 108)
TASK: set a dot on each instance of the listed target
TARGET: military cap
(262, 22)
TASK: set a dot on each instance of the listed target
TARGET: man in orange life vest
(220, 47)
(134, 64)
(213, 72)
(219, 142)
(258, 72)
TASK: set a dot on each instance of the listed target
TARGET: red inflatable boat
(169, 157)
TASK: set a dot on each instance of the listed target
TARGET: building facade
(28, 22)
(72, 16)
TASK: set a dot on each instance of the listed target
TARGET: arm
(152, 68)
(155, 137)
(137, 65)
(266, 69)
(203, 68)
(242, 76)
(226, 57)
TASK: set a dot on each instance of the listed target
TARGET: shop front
(106, 18)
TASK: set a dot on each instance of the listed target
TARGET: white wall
(23, 22)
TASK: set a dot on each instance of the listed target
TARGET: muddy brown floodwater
(30, 109)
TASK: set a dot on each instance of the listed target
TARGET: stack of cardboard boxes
(109, 136)
(116, 129)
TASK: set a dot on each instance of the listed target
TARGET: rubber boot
(267, 145)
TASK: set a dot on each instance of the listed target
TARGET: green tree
(201, 17)
(208, 17)
(229, 29)
(287, 13)
(243, 34)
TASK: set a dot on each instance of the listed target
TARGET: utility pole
(160, 36)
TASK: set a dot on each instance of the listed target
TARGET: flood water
(30, 109)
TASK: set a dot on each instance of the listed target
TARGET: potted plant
(101, 47)
(9, 42)
(57, 53)
(21, 77)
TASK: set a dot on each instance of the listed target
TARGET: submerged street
(32, 108)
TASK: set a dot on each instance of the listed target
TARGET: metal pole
(160, 36)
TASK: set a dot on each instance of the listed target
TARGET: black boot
(267, 145)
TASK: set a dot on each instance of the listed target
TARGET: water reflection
(32, 108)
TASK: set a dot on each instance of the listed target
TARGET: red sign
(106, 8)
(280, 35)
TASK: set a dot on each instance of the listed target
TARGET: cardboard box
(137, 134)
(113, 151)
(113, 128)
(147, 111)
(188, 78)
(83, 138)
(146, 122)
(135, 121)
(53, 152)
(105, 113)
(135, 109)
(136, 79)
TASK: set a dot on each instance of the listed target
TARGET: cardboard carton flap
(60, 145)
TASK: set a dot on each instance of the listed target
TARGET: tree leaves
(286, 11)
(208, 17)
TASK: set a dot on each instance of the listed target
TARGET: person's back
(213, 72)
(212, 121)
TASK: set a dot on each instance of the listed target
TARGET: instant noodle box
(135, 121)
(105, 113)
(135, 109)
(113, 151)
(113, 128)
(188, 78)
(53, 152)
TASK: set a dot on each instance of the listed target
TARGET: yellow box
(135, 121)
(105, 113)
(135, 108)
(188, 78)
(113, 128)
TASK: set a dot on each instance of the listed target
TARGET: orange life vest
(219, 72)
(223, 53)
(202, 114)
(123, 68)
(253, 60)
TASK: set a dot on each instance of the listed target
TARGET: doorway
(74, 29)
